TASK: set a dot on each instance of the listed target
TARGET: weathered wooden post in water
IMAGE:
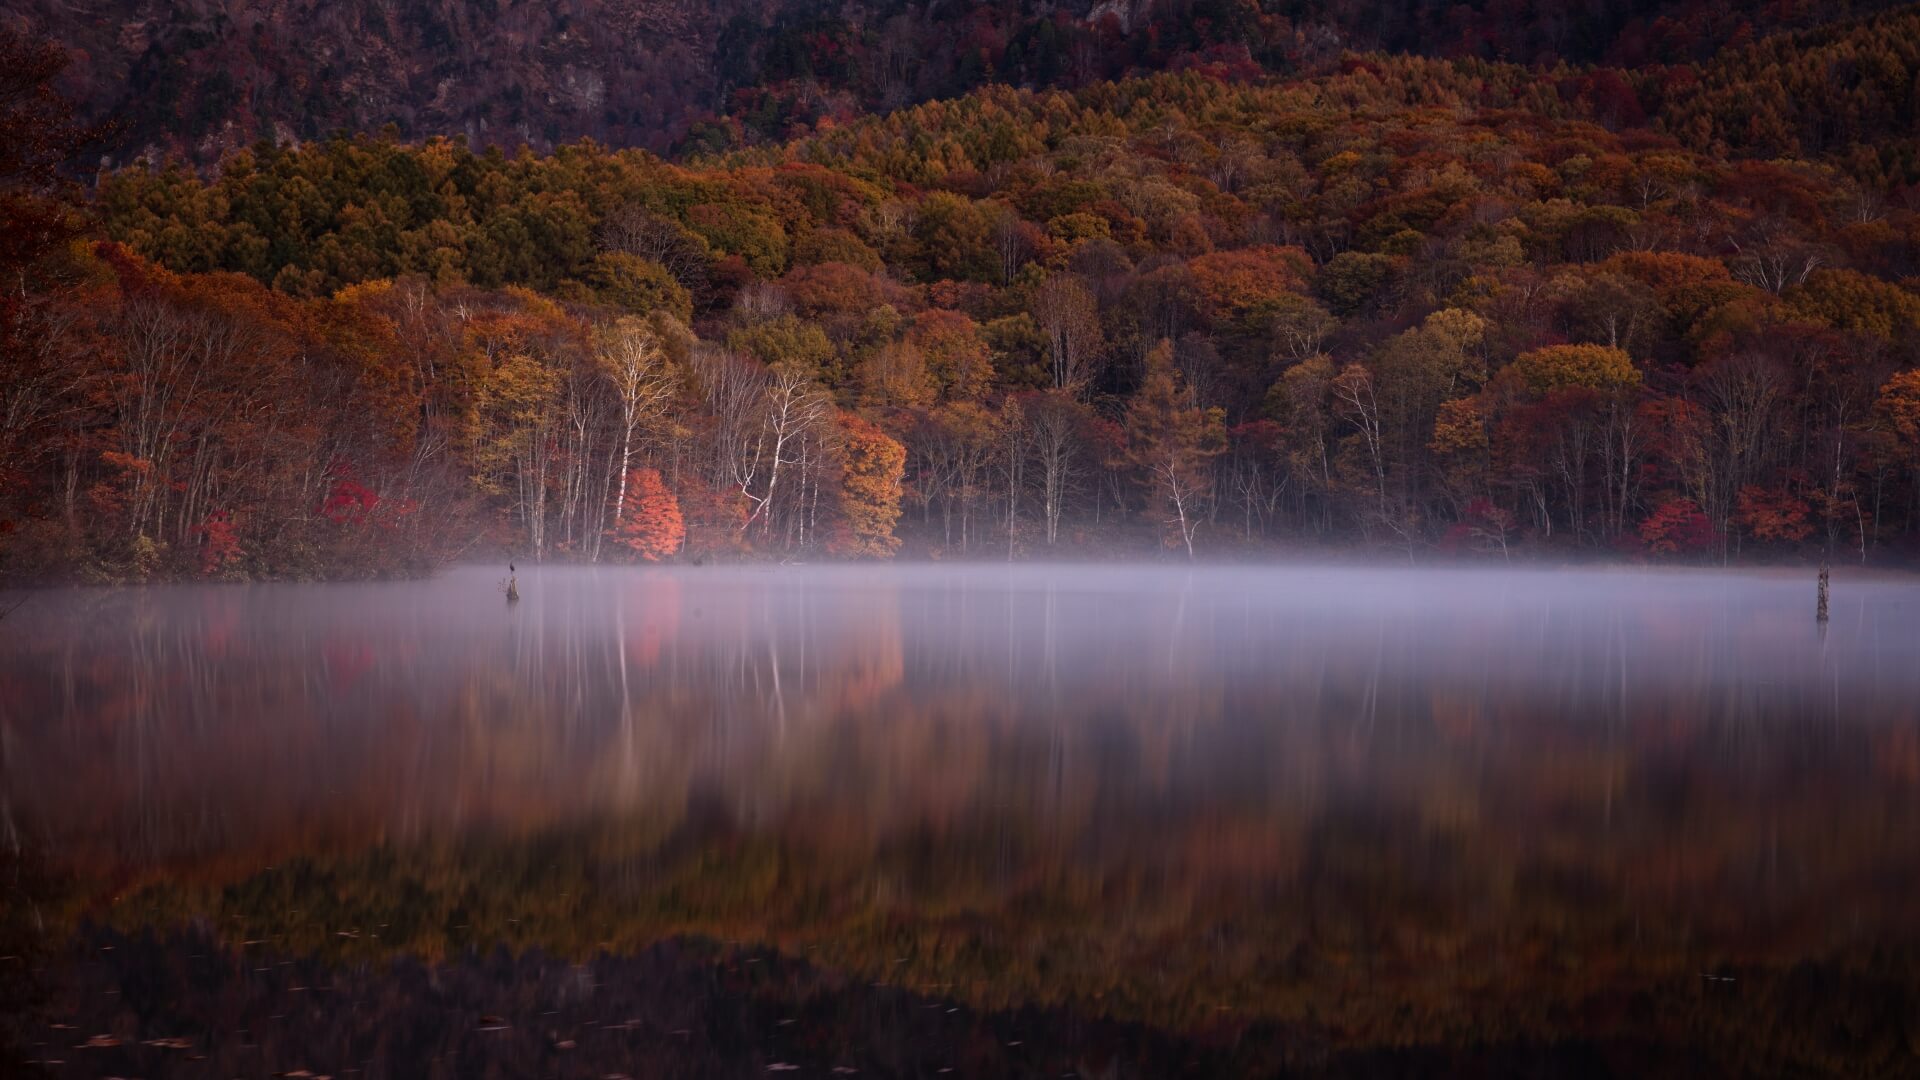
(1821, 614)
(513, 587)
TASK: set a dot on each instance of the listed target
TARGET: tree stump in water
(513, 592)
(1820, 615)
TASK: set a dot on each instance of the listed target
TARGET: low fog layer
(184, 718)
(587, 646)
(1153, 628)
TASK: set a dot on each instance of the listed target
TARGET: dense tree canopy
(1433, 305)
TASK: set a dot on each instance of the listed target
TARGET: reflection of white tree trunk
(628, 765)
(773, 667)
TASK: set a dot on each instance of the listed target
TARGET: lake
(980, 820)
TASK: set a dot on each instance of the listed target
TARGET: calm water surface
(1102, 821)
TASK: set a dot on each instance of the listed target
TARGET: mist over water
(1326, 797)
(735, 679)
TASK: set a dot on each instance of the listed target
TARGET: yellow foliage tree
(1560, 367)
(869, 490)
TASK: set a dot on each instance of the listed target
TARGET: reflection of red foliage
(1896, 753)
(220, 619)
(346, 662)
(657, 605)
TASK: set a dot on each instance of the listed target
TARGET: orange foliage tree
(1236, 284)
(652, 527)
(1773, 514)
(870, 490)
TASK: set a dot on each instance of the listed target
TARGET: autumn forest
(1235, 297)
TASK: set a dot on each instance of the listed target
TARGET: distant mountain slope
(1848, 93)
(201, 77)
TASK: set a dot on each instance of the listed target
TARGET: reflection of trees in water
(631, 690)
(1366, 972)
(178, 721)
(1150, 802)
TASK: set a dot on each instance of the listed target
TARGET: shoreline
(1844, 573)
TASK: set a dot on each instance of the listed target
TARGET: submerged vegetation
(1422, 305)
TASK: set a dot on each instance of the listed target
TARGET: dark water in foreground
(1032, 821)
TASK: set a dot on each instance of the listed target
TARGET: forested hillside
(1416, 305)
(1845, 93)
(204, 79)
